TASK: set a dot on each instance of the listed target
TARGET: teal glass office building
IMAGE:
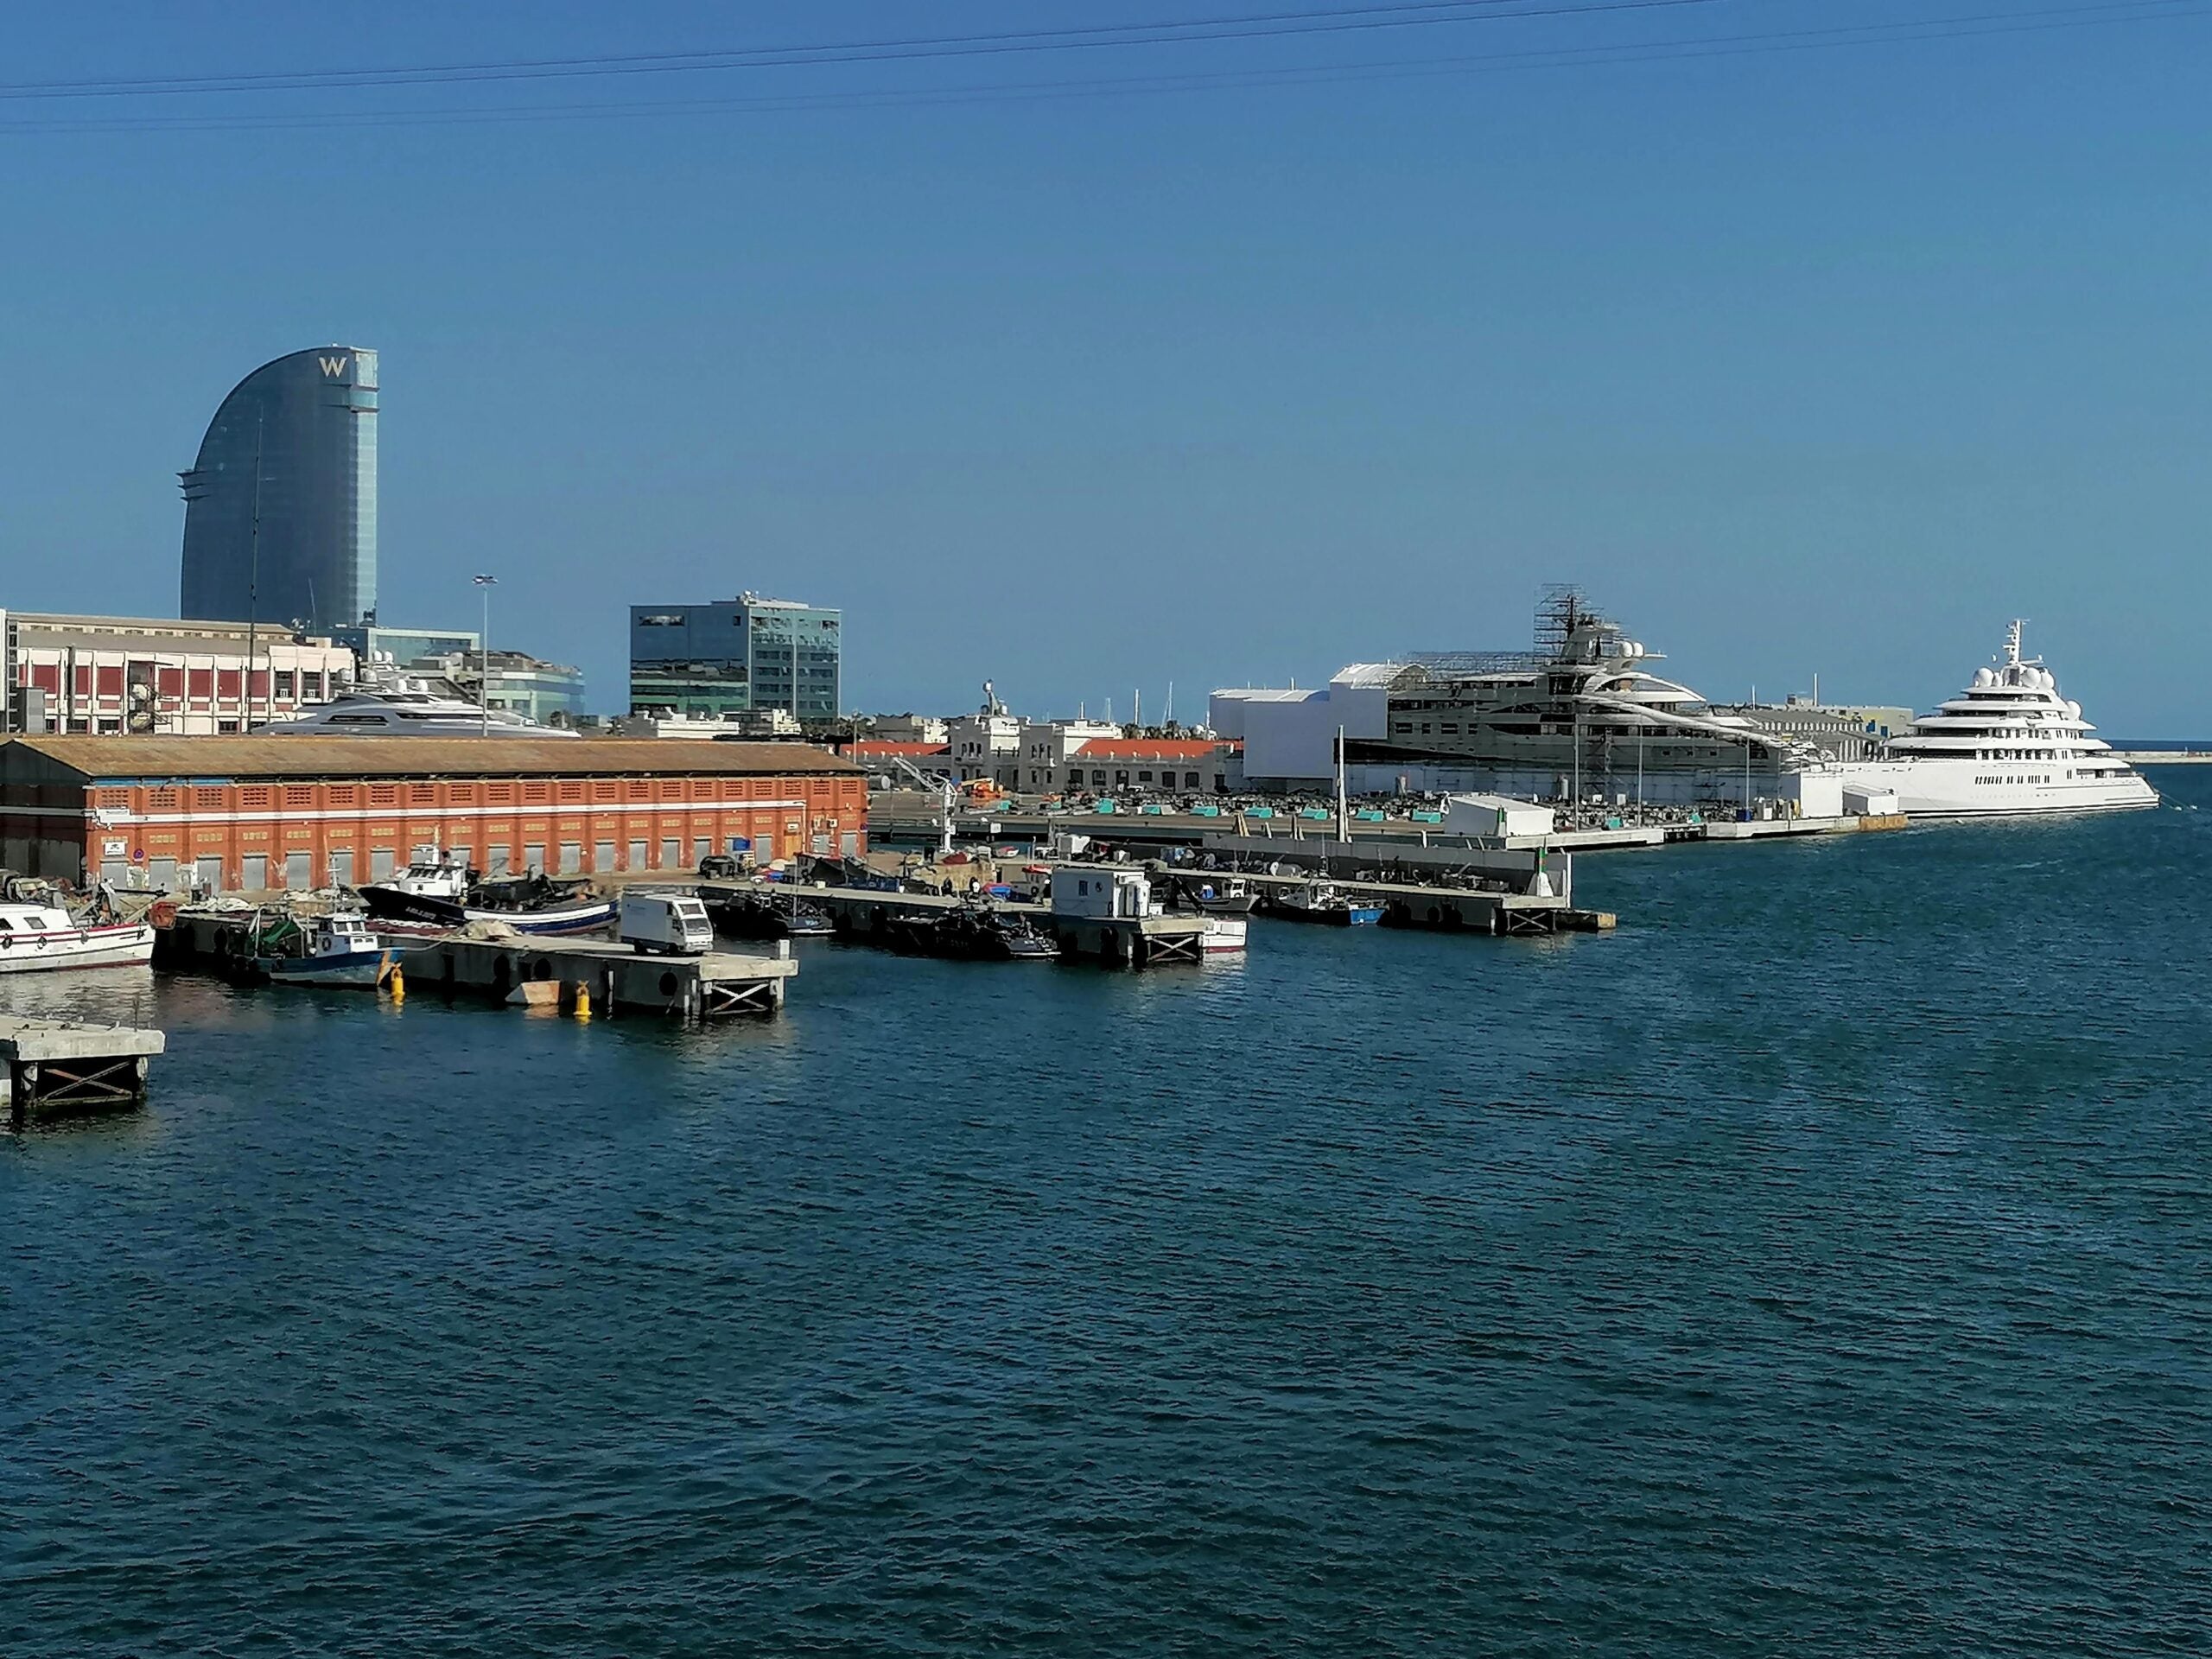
(280, 515)
(732, 656)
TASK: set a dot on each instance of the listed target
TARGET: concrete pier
(539, 971)
(895, 821)
(56, 1065)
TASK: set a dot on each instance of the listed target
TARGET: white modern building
(1290, 736)
(1496, 817)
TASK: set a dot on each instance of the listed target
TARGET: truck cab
(671, 924)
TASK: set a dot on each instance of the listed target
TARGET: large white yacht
(1581, 712)
(2008, 743)
(388, 703)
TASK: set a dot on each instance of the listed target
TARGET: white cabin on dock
(1102, 894)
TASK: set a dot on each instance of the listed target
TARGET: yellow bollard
(583, 1000)
(398, 985)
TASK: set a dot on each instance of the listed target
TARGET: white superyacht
(2008, 744)
(388, 703)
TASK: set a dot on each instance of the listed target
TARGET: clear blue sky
(1803, 360)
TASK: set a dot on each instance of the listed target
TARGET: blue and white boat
(1317, 901)
(337, 949)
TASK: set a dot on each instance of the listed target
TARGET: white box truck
(670, 924)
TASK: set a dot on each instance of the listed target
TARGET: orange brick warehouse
(251, 813)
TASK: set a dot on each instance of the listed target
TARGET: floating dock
(1446, 910)
(862, 916)
(558, 972)
(56, 1067)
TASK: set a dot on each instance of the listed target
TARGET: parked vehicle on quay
(665, 924)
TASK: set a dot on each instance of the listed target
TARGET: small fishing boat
(538, 904)
(38, 931)
(337, 949)
(764, 913)
(439, 890)
(971, 932)
(1317, 901)
(1215, 897)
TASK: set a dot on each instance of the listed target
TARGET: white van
(673, 925)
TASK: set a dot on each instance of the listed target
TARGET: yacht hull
(80, 947)
(1940, 789)
(392, 904)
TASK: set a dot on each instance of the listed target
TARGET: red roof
(866, 747)
(1147, 748)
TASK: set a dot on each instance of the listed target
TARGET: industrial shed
(254, 813)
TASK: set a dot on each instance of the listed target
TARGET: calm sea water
(1823, 1263)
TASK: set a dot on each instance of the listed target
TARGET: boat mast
(1344, 818)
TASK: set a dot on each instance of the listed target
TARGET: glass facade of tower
(734, 656)
(293, 447)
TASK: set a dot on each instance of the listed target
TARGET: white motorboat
(34, 936)
(1224, 935)
(2007, 744)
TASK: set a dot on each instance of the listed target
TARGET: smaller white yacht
(2007, 744)
(38, 935)
(386, 702)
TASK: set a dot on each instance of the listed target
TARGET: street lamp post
(483, 587)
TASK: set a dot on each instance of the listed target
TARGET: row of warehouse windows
(167, 798)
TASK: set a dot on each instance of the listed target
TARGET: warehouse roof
(420, 757)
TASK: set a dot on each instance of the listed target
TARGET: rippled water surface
(1823, 1262)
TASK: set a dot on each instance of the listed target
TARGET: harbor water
(1820, 1263)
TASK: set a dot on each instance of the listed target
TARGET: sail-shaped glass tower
(293, 447)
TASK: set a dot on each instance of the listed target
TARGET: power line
(1903, 32)
(1262, 26)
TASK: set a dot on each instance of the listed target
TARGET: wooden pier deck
(551, 971)
(59, 1066)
